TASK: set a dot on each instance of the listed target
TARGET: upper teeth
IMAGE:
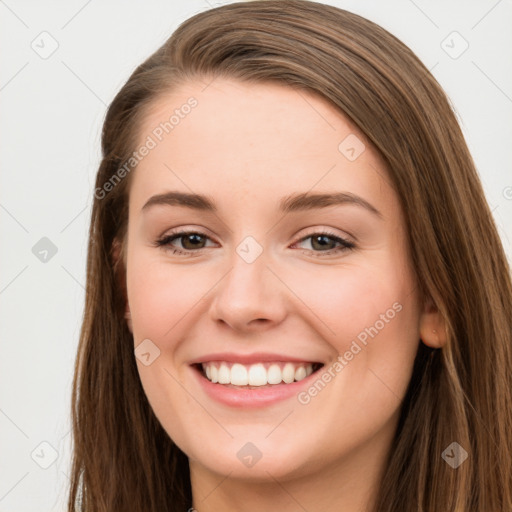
(258, 374)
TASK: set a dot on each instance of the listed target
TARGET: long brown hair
(123, 459)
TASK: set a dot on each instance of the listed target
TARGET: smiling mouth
(258, 375)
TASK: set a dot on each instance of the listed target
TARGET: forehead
(253, 141)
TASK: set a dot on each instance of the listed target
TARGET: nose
(249, 297)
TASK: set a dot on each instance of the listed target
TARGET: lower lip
(256, 397)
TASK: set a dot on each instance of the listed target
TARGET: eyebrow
(293, 203)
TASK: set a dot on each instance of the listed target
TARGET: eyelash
(167, 239)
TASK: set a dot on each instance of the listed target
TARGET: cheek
(161, 295)
(347, 300)
(370, 318)
(162, 299)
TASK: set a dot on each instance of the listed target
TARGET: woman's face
(296, 258)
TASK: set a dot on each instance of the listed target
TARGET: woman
(297, 298)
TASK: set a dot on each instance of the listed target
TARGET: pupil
(323, 238)
(193, 238)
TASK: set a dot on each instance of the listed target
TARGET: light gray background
(52, 110)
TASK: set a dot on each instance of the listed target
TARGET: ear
(118, 264)
(432, 326)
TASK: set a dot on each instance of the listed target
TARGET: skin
(247, 146)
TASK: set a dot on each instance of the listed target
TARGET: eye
(325, 247)
(193, 241)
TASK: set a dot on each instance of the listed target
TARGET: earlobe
(432, 326)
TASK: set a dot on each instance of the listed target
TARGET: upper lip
(257, 357)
